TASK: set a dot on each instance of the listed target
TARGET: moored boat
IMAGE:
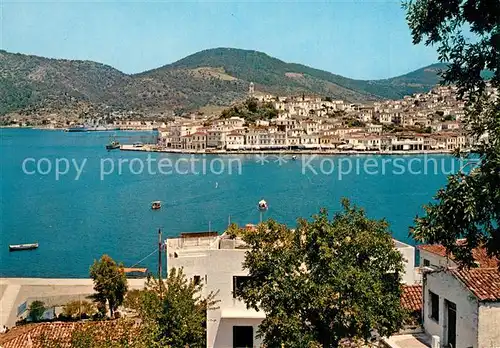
(18, 247)
(78, 128)
(263, 205)
(155, 205)
(113, 145)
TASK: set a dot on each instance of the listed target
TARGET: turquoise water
(76, 221)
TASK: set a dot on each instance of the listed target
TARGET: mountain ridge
(217, 76)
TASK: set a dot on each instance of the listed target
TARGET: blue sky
(357, 39)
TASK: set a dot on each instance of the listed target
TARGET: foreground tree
(36, 310)
(469, 206)
(173, 311)
(79, 309)
(326, 281)
(110, 283)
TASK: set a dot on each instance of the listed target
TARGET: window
(434, 306)
(427, 263)
(196, 279)
(239, 283)
(242, 336)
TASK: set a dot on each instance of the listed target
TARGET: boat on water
(113, 145)
(263, 205)
(18, 247)
(156, 205)
(77, 128)
(294, 158)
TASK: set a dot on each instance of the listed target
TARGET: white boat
(156, 205)
(294, 158)
(263, 205)
(18, 247)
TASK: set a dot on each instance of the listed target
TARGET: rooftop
(34, 335)
(481, 257)
(484, 283)
(411, 298)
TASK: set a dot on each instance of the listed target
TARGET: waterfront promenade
(52, 291)
(326, 152)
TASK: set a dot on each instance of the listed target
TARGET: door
(451, 324)
(242, 336)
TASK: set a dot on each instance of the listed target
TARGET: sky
(357, 39)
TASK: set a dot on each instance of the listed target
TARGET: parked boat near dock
(78, 128)
(19, 247)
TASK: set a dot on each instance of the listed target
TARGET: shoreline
(152, 148)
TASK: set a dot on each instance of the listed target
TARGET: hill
(274, 75)
(212, 77)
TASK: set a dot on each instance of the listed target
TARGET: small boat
(294, 158)
(155, 205)
(113, 145)
(18, 247)
(263, 205)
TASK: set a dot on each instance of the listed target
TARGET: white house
(462, 307)
(216, 261)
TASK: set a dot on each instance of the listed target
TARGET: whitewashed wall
(447, 287)
(489, 325)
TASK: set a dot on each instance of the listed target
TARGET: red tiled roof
(411, 298)
(34, 335)
(484, 283)
(480, 255)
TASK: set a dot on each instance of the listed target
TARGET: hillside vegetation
(219, 77)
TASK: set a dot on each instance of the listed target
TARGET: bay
(76, 221)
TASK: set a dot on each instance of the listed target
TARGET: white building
(462, 307)
(216, 261)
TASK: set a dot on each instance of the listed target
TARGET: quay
(325, 152)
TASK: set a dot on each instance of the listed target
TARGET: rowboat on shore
(18, 247)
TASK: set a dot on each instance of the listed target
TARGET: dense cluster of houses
(426, 121)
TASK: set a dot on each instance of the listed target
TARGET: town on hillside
(422, 122)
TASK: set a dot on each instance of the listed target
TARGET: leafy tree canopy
(324, 282)
(173, 311)
(36, 310)
(469, 205)
(110, 283)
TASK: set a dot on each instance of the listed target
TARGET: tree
(36, 310)
(174, 312)
(325, 281)
(469, 205)
(79, 309)
(110, 283)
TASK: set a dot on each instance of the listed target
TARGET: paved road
(15, 291)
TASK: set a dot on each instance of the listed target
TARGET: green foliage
(79, 309)
(469, 205)
(110, 283)
(233, 231)
(173, 311)
(251, 110)
(325, 281)
(36, 310)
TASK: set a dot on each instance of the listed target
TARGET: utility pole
(159, 255)
(166, 267)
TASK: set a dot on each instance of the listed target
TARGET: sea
(79, 201)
